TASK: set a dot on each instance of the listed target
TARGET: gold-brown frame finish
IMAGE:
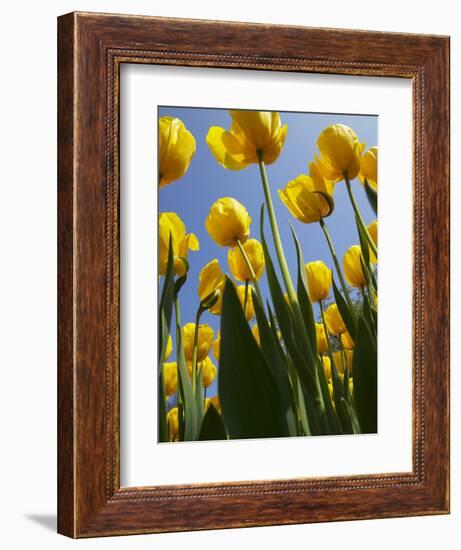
(91, 50)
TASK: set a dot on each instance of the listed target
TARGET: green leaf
(212, 428)
(276, 360)
(162, 424)
(303, 296)
(333, 422)
(365, 376)
(191, 420)
(347, 315)
(165, 309)
(349, 411)
(372, 196)
(250, 398)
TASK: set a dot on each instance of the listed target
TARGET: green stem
(358, 216)
(180, 351)
(195, 352)
(275, 232)
(337, 266)
(204, 399)
(246, 259)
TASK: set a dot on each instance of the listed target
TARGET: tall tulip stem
(325, 328)
(246, 259)
(275, 232)
(337, 266)
(358, 216)
(195, 351)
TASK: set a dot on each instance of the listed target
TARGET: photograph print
(267, 274)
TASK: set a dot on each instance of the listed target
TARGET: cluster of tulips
(280, 373)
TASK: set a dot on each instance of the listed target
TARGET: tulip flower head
(252, 133)
(250, 310)
(343, 360)
(237, 264)
(321, 337)
(170, 378)
(319, 280)
(204, 342)
(334, 321)
(170, 224)
(212, 278)
(208, 371)
(352, 265)
(326, 366)
(369, 168)
(373, 231)
(347, 341)
(228, 222)
(173, 424)
(303, 199)
(340, 153)
(176, 149)
(213, 401)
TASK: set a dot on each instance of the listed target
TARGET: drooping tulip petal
(340, 152)
(204, 340)
(369, 168)
(302, 199)
(237, 264)
(212, 278)
(352, 265)
(250, 132)
(319, 280)
(228, 222)
(176, 149)
(170, 224)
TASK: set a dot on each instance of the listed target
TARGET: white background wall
(28, 271)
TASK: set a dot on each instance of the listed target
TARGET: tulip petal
(226, 148)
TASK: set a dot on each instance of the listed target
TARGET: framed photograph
(235, 349)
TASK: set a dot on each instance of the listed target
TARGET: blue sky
(206, 181)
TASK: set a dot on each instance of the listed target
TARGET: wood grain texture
(91, 49)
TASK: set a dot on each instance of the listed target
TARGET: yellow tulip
(217, 346)
(319, 279)
(176, 149)
(250, 132)
(346, 341)
(237, 265)
(228, 222)
(334, 321)
(322, 344)
(208, 371)
(170, 378)
(369, 168)
(173, 424)
(352, 265)
(373, 231)
(301, 198)
(340, 153)
(213, 401)
(204, 340)
(169, 347)
(212, 278)
(255, 331)
(171, 224)
(326, 367)
(250, 310)
(351, 386)
(342, 360)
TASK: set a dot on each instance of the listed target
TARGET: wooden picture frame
(92, 48)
